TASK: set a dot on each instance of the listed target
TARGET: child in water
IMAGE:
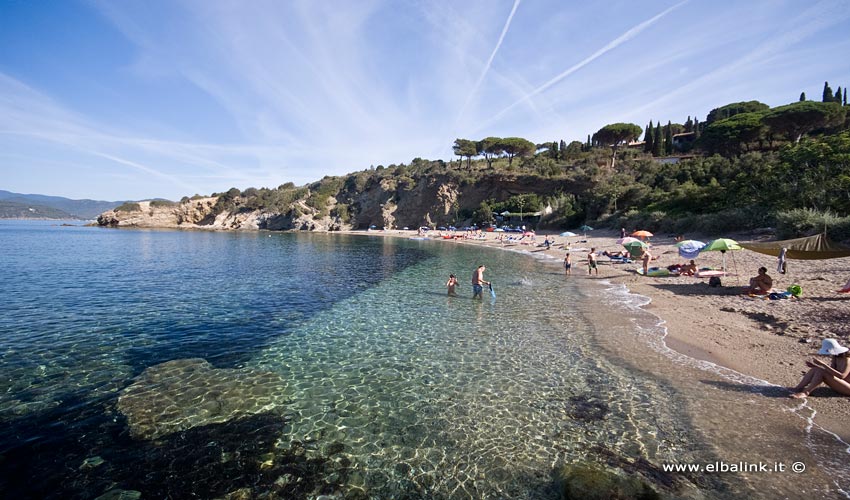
(451, 285)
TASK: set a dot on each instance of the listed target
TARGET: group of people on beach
(835, 374)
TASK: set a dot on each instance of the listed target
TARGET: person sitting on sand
(836, 374)
(760, 284)
(451, 284)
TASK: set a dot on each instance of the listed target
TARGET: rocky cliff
(391, 202)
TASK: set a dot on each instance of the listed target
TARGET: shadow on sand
(698, 288)
(770, 391)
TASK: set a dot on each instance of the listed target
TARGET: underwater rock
(591, 482)
(117, 494)
(185, 393)
(584, 408)
(91, 462)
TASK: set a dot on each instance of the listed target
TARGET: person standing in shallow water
(451, 284)
(478, 282)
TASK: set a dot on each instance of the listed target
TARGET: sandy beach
(766, 339)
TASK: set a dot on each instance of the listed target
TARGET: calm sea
(197, 364)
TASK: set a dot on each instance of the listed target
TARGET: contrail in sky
(613, 44)
(487, 66)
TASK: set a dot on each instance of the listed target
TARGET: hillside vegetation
(14, 210)
(72, 209)
(745, 166)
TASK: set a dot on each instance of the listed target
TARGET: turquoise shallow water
(192, 363)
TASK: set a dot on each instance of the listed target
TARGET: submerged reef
(185, 393)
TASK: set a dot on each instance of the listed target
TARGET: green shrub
(130, 206)
(162, 204)
(805, 222)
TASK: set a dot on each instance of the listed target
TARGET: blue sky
(141, 99)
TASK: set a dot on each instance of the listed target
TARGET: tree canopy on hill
(749, 165)
(615, 134)
(733, 135)
(794, 120)
(733, 109)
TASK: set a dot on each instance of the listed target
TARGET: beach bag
(714, 281)
(795, 290)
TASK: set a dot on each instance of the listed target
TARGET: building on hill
(636, 145)
(672, 159)
(683, 141)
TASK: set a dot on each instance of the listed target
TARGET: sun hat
(831, 347)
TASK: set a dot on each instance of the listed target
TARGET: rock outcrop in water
(181, 394)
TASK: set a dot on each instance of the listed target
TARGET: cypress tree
(647, 147)
(689, 125)
(802, 96)
(657, 143)
(668, 139)
(827, 92)
(838, 95)
(845, 96)
(589, 144)
(563, 149)
(554, 151)
(696, 128)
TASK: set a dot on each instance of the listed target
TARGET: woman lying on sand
(836, 374)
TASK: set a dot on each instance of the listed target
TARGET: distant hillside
(14, 210)
(74, 209)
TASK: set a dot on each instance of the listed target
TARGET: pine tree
(827, 92)
(657, 143)
(668, 138)
(802, 96)
(838, 95)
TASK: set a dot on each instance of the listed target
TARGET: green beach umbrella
(635, 247)
(586, 228)
(722, 245)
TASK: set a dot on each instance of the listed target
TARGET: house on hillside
(636, 145)
(667, 160)
(683, 141)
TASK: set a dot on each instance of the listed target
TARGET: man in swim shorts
(568, 264)
(478, 282)
(591, 261)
